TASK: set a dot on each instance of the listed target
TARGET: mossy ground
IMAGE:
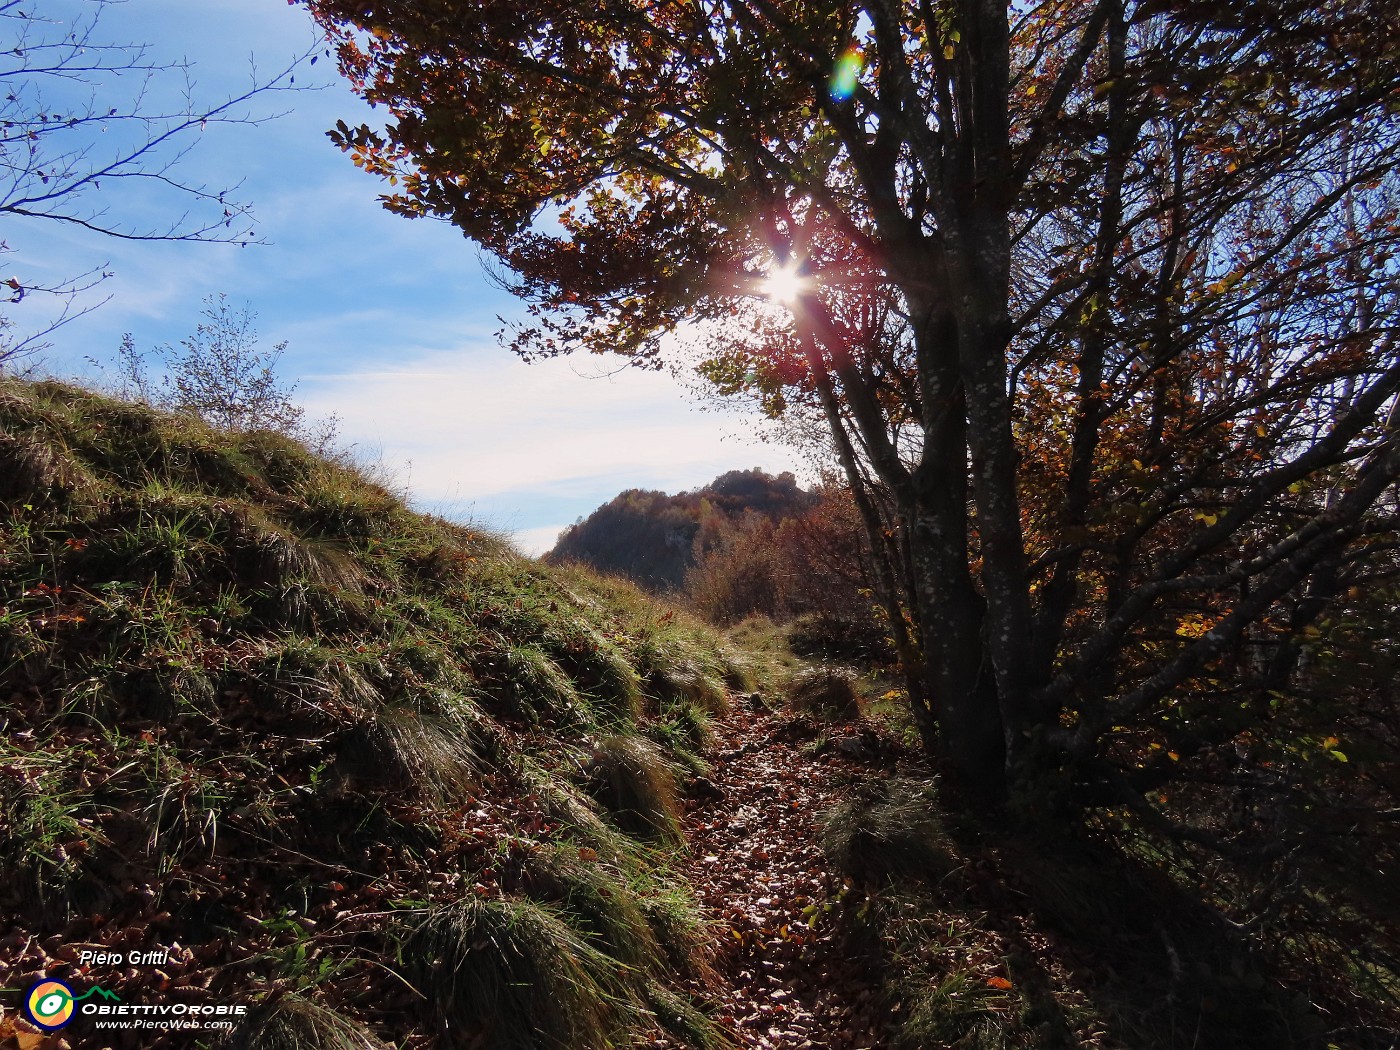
(257, 707)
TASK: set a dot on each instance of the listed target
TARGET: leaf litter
(757, 866)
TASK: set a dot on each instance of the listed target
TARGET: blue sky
(390, 323)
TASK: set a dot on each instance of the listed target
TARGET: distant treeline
(748, 544)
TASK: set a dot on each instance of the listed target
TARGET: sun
(785, 285)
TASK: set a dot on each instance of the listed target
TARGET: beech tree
(1098, 293)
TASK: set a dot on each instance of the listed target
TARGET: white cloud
(535, 542)
(480, 428)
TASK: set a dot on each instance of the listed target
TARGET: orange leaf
(999, 982)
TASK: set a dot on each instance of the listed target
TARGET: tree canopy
(1097, 298)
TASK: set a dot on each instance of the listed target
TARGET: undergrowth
(999, 938)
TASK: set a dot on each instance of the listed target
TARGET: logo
(51, 1004)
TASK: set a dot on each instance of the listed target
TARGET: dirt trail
(758, 867)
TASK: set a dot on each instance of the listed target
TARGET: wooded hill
(654, 539)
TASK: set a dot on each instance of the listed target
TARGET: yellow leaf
(948, 52)
(1173, 756)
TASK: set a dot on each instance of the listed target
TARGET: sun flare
(785, 285)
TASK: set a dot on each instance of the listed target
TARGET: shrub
(741, 576)
(838, 636)
(221, 375)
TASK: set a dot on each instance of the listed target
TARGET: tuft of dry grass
(290, 1022)
(826, 691)
(637, 787)
(514, 975)
(890, 830)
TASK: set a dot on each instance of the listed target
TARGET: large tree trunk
(958, 675)
(934, 509)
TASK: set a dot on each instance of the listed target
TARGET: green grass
(289, 1022)
(516, 976)
(49, 829)
(248, 683)
(597, 902)
(528, 684)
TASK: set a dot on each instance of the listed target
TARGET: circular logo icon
(49, 1005)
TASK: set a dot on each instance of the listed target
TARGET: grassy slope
(347, 757)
